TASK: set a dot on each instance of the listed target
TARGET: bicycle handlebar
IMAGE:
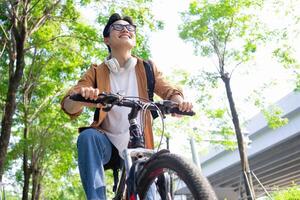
(165, 106)
(102, 98)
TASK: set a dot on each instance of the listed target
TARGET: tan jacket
(162, 89)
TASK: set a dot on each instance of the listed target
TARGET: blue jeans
(94, 151)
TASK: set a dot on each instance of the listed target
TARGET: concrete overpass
(274, 155)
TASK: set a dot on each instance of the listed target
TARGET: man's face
(122, 35)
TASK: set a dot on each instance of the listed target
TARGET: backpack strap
(150, 83)
(97, 110)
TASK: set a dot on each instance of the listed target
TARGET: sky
(167, 48)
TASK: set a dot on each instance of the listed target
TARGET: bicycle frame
(129, 154)
(135, 153)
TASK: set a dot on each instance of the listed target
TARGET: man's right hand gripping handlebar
(88, 95)
(102, 98)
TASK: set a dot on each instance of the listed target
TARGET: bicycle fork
(128, 164)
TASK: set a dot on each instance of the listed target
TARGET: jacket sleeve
(87, 80)
(162, 87)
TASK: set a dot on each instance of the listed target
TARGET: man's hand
(89, 93)
(75, 106)
(183, 106)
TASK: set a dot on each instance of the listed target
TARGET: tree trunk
(240, 139)
(26, 168)
(39, 190)
(10, 103)
(35, 183)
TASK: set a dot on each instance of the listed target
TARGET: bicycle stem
(135, 132)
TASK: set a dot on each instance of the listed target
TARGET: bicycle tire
(198, 185)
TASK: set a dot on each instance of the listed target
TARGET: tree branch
(235, 67)
(227, 37)
(42, 106)
(15, 19)
(228, 33)
(28, 84)
(2, 51)
(32, 7)
(43, 18)
(5, 34)
(62, 36)
(214, 44)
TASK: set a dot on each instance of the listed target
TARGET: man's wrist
(177, 98)
(71, 106)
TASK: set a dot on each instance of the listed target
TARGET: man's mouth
(128, 36)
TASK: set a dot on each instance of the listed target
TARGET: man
(120, 73)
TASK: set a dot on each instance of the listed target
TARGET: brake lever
(109, 102)
(107, 107)
(168, 105)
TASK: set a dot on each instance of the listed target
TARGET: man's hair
(113, 18)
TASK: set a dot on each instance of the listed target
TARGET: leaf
(273, 117)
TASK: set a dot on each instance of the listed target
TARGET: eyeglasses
(120, 27)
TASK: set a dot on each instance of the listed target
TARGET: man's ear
(106, 40)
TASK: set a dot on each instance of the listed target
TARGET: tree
(19, 24)
(229, 30)
(50, 64)
(56, 54)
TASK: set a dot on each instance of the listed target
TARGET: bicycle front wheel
(174, 178)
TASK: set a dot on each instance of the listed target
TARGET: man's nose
(125, 29)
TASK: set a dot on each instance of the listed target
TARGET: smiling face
(121, 35)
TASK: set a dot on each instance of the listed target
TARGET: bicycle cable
(162, 121)
(143, 116)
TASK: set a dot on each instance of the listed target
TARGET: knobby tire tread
(197, 184)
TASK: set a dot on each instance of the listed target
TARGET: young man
(120, 73)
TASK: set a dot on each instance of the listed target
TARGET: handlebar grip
(177, 111)
(79, 97)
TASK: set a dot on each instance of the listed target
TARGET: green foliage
(218, 113)
(215, 114)
(211, 121)
(67, 188)
(272, 114)
(10, 196)
(287, 56)
(297, 88)
(292, 193)
(274, 117)
(286, 50)
(229, 31)
(204, 84)
(227, 28)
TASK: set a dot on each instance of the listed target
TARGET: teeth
(126, 36)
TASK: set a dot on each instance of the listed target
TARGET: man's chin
(127, 44)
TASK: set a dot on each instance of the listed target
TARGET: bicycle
(145, 168)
